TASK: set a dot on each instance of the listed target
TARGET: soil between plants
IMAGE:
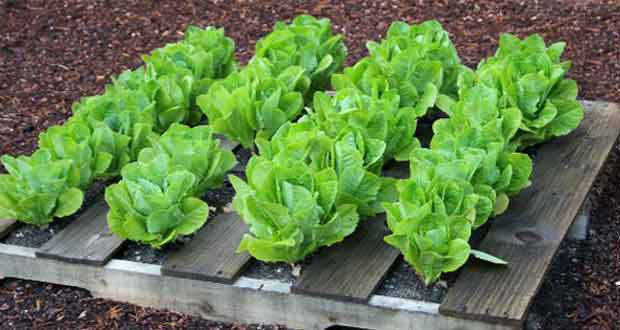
(52, 52)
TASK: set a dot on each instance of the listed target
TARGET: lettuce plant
(291, 209)
(157, 199)
(38, 188)
(306, 189)
(345, 154)
(253, 102)
(307, 42)
(477, 121)
(174, 75)
(437, 209)
(419, 62)
(531, 77)
(387, 128)
(419, 55)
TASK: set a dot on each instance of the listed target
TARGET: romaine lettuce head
(291, 209)
(253, 102)
(431, 242)
(153, 203)
(306, 42)
(531, 77)
(196, 150)
(157, 199)
(424, 51)
(347, 154)
(38, 188)
(387, 128)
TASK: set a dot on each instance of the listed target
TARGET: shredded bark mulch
(52, 52)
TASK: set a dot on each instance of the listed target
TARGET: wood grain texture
(6, 226)
(87, 240)
(248, 300)
(530, 232)
(211, 254)
(350, 270)
(353, 269)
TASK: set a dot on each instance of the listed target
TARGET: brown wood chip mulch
(52, 52)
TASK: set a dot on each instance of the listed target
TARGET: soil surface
(52, 52)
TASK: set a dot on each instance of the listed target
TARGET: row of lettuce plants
(107, 131)
(513, 100)
(158, 198)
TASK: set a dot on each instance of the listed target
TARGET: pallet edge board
(211, 254)
(87, 239)
(247, 300)
(531, 238)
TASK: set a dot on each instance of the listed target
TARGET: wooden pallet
(205, 277)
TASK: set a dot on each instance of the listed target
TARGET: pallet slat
(226, 143)
(210, 255)
(87, 240)
(6, 226)
(530, 232)
(353, 269)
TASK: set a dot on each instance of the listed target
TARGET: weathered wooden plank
(6, 226)
(210, 255)
(350, 270)
(530, 232)
(353, 269)
(246, 301)
(86, 240)
(226, 143)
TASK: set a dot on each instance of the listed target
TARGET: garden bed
(233, 288)
(579, 291)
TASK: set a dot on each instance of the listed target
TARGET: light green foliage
(291, 209)
(253, 102)
(477, 122)
(345, 154)
(307, 189)
(108, 131)
(418, 61)
(38, 188)
(173, 76)
(386, 127)
(530, 76)
(306, 42)
(157, 199)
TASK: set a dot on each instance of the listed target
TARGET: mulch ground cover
(54, 52)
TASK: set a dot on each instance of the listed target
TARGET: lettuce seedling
(157, 199)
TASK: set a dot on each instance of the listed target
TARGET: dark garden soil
(52, 52)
